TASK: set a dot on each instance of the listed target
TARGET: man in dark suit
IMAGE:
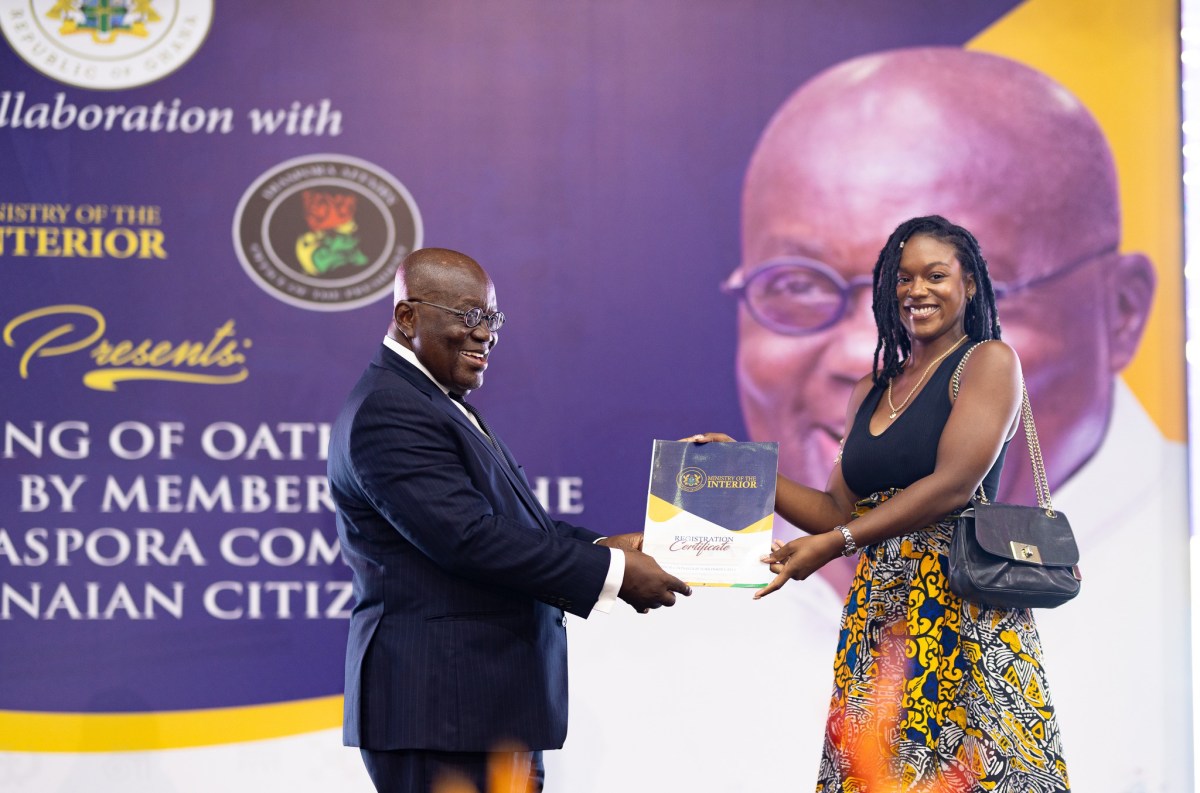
(457, 642)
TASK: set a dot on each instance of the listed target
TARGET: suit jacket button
(564, 621)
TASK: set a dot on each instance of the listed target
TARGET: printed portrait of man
(1011, 155)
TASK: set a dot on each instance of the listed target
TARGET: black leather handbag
(1012, 556)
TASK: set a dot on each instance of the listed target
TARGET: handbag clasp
(1024, 552)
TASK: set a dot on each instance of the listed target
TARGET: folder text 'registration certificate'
(710, 511)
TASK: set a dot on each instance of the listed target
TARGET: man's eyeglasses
(471, 317)
(796, 296)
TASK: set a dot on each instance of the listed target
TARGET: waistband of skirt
(865, 505)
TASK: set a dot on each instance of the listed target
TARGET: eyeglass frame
(737, 285)
(496, 317)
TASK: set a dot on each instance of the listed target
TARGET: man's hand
(646, 585)
(623, 542)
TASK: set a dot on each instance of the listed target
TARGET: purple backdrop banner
(201, 207)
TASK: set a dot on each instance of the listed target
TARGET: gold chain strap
(1041, 486)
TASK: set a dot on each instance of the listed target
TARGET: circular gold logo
(691, 479)
(105, 45)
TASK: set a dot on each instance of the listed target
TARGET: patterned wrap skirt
(933, 694)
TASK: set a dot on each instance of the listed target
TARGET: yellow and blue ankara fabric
(933, 693)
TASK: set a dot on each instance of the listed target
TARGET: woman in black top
(930, 692)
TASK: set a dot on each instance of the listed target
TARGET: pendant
(892, 415)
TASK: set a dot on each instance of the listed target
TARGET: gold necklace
(897, 408)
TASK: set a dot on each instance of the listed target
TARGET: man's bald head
(995, 145)
(425, 273)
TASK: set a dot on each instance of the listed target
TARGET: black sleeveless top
(907, 450)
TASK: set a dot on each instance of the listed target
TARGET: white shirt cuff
(612, 582)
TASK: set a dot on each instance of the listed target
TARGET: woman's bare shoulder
(993, 355)
(991, 364)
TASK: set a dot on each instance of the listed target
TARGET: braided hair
(980, 321)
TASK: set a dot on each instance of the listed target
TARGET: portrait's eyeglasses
(472, 317)
(796, 296)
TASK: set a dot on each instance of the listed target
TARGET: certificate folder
(710, 511)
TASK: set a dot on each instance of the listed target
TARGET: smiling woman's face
(932, 289)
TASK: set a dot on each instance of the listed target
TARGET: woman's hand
(800, 558)
(708, 437)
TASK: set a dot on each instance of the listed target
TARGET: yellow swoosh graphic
(22, 731)
(660, 510)
(106, 379)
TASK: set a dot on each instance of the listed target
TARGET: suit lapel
(393, 362)
(506, 462)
